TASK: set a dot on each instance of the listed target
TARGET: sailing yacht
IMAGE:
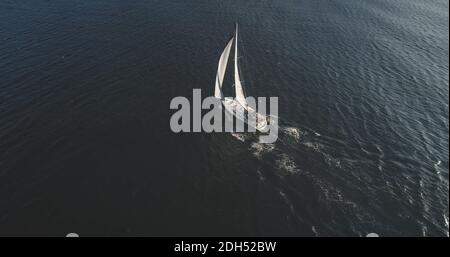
(237, 106)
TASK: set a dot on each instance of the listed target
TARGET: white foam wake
(259, 149)
(287, 165)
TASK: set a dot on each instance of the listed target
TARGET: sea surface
(86, 146)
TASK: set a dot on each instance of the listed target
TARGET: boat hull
(247, 115)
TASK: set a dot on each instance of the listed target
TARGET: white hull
(247, 115)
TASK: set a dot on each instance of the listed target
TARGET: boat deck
(246, 114)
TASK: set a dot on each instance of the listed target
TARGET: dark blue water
(86, 147)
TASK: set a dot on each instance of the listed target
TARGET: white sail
(240, 97)
(221, 69)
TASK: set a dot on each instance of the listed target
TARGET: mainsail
(221, 69)
(240, 97)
